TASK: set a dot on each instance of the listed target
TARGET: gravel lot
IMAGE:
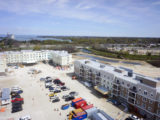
(36, 100)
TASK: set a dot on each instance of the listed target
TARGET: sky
(128, 18)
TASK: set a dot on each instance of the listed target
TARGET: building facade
(2, 62)
(140, 93)
(62, 58)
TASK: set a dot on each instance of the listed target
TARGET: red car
(17, 99)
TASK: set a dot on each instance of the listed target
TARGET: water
(97, 58)
(107, 60)
(34, 37)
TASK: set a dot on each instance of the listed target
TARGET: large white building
(2, 62)
(62, 58)
(27, 56)
(140, 93)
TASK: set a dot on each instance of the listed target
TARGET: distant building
(140, 93)
(2, 62)
(10, 36)
(62, 58)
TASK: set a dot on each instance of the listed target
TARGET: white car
(15, 89)
(27, 117)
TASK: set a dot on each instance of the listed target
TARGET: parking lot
(36, 100)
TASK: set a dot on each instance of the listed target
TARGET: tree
(37, 47)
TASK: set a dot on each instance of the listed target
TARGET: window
(149, 108)
(143, 105)
(151, 94)
(139, 89)
(144, 99)
(158, 112)
(138, 103)
(145, 92)
(123, 83)
(158, 104)
(150, 101)
(128, 85)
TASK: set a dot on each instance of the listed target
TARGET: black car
(56, 100)
(17, 103)
(51, 88)
(57, 91)
(64, 88)
(16, 109)
(73, 93)
(69, 98)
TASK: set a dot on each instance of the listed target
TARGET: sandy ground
(145, 68)
(36, 102)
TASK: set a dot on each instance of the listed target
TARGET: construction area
(37, 103)
(44, 99)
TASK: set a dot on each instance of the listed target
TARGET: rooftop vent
(118, 70)
(87, 62)
(102, 66)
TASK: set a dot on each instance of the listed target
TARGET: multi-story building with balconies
(140, 93)
(62, 58)
(2, 62)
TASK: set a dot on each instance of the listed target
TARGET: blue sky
(137, 18)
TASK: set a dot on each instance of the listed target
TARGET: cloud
(156, 3)
(101, 11)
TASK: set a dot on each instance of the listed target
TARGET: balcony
(116, 87)
(133, 95)
(131, 100)
(117, 93)
(116, 83)
(133, 89)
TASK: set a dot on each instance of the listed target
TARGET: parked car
(48, 77)
(42, 79)
(58, 82)
(69, 98)
(52, 94)
(47, 85)
(57, 91)
(132, 117)
(16, 99)
(51, 88)
(15, 96)
(56, 100)
(65, 96)
(15, 89)
(73, 93)
(114, 102)
(16, 109)
(27, 117)
(64, 88)
(53, 97)
(17, 103)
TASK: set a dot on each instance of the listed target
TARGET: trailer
(5, 96)
(76, 100)
(87, 107)
(77, 114)
(80, 104)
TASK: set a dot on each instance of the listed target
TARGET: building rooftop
(120, 72)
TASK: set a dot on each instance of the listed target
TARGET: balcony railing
(133, 95)
(133, 90)
(117, 93)
(131, 100)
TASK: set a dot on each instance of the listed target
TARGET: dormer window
(145, 92)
